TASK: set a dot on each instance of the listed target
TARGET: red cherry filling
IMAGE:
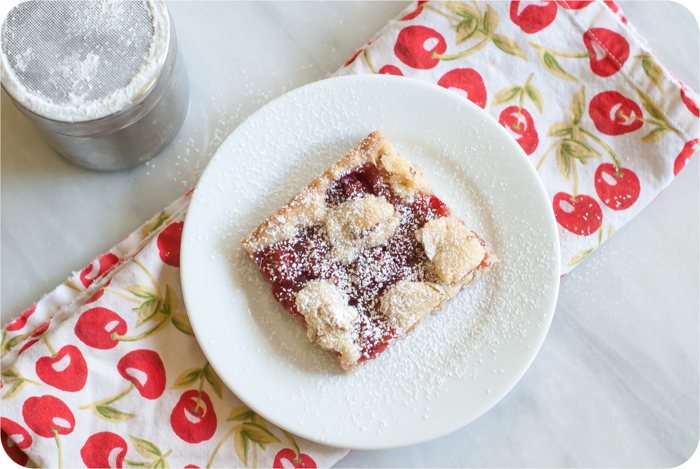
(288, 265)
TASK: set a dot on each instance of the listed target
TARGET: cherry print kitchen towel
(104, 371)
(606, 126)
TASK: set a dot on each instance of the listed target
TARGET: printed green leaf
(559, 129)
(110, 414)
(182, 323)
(213, 379)
(509, 46)
(651, 107)
(160, 464)
(653, 70)
(580, 256)
(258, 434)
(240, 443)
(577, 107)
(552, 66)
(12, 342)
(466, 29)
(153, 225)
(535, 96)
(170, 303)
(462, 9)
(611, 231)
(146, 311)
(579, 150)
(187, 378)
(506, 95)
(242, 413)
(655, 135)
(490, 20)
(15, 389)
(563, 162)
(11, 373)
(146, 448)
(142, 291)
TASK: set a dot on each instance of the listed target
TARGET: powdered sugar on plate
(458, 363)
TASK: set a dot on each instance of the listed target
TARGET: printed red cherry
(41, 329)
(66, 371)
(581, 214)
(521, 129)
(20, 321)
(193, 418)
(104, 449)
(20, 437)
(467, 83)
(617, 190)
(415, 12)
(27, 345)
(96, 326)
(416, 44)
(533, 16)
(390, 70)
(99, 267)
(573, 5)
(689, 103)
(607, 49)
(145, 369)
(45, 415)
(613, 114)
(169, 244)
(612, 5)
(352, 59)
(287, 458)
(16, 454)
(685, 154)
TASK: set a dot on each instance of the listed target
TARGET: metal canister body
(132, 134)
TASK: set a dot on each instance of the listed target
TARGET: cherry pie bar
(366, 252)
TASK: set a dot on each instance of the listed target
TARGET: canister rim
(141, 83)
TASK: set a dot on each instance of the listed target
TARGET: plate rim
(220, 153)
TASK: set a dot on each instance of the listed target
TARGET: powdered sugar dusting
(468, 355)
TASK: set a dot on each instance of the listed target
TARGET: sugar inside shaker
(102, 80)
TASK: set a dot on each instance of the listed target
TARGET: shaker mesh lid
(82, 60)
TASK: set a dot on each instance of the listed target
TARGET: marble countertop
(616, 382)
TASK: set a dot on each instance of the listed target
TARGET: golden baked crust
(351, 229)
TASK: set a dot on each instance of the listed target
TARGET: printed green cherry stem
(71, 284)
(49, 346)
(607, 148)
(60, 447)
(16, 382)
(568, 55)
(108, 400)
(128, 298)
(580, 256)
(153, 281)
(143, 335)
(369, 61)
(295, 446)
(218, 446)
(472, 24)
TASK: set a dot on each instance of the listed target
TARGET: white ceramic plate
(460, 362)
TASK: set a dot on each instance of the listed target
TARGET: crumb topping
(454, 250)
(406, 304)
(405, 178)
(358, 224)
(328, 318)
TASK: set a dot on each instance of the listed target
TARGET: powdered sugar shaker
(102, 80)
